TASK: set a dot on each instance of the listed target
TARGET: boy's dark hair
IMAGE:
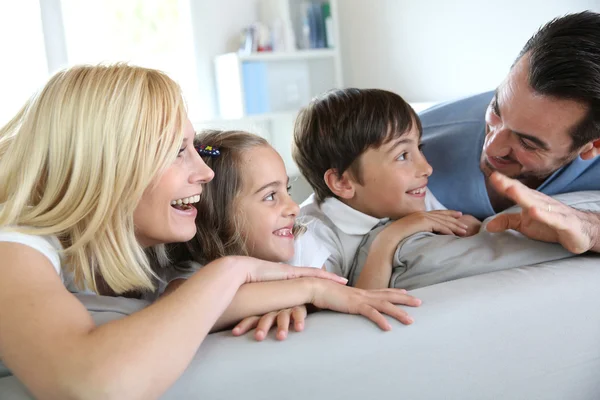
(564, 57)
(336, 128)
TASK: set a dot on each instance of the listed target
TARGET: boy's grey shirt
(425, 258)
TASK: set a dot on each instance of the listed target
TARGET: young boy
(360, 151)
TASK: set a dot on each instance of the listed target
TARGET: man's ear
(342, 187)
(590, 150)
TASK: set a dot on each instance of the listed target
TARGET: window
(24, 67)
(151, 33)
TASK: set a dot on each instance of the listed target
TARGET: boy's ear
(590, 150)
(342, 187)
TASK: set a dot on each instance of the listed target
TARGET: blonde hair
(76, 159)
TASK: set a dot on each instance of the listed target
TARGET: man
(540, 128)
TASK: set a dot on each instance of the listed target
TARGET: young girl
(247, 210)
(95, 170)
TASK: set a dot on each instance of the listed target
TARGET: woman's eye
(181, 151)
(289, 189)
(270, 197)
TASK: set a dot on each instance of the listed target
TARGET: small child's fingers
(299, 315)
(264, 325)
(245, 325)
(283, 324)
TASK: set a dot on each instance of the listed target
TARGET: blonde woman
(92, 169)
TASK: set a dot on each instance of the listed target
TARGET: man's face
(527, 134)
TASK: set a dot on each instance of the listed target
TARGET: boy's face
(394, 178)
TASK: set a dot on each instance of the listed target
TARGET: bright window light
(151, 33)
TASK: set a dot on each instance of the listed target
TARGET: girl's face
(163, 214)
(265, 205)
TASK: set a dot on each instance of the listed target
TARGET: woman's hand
(263, 324)
(369, 303)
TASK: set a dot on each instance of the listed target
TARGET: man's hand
(543, 218)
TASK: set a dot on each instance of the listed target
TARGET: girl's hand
(369, 303)
(264, 324)
(262, 271)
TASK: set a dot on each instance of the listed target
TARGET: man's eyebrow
(495, 104)
(537, 141)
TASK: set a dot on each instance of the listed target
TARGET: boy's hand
(264, 324)
(446, 222)
(473, 224)
(377, 270)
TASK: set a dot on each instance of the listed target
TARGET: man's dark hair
(564, 62)
(336, 128)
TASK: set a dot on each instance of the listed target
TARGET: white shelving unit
(291, 79)
(269, 83)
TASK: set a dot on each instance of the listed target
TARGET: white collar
(347, 219)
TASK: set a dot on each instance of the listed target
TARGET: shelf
(292, 55)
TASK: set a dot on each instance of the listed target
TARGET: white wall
(432, 50)
(217, 29)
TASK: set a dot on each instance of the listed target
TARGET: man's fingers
(553, 219)
(245, 326)
(504, 222)
(522, 196)
(517, 191)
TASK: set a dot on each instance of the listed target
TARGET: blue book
(256, 96)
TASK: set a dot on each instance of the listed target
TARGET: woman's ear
(341, 186)
(590, 150)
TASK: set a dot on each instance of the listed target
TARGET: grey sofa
(522, 333)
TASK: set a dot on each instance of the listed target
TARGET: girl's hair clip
(206, 150)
